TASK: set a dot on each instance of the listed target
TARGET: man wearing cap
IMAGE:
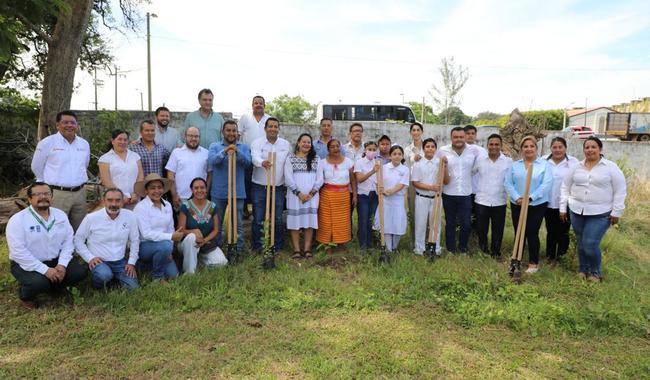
(156, 226)
(102, 238)
(61, 160)
(185, 164)
(40, 247)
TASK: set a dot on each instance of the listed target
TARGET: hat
(140, 186)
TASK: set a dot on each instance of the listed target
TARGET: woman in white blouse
(593, 194)
(557, 230)
(120, 167)
(156, 225)
(334, 222)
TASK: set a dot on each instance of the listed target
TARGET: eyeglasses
(44, 194)
(68, 122)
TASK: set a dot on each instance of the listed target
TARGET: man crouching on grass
(102, 238)
(40, 248)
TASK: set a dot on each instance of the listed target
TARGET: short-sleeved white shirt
(363, 166)
(338, 174)
(426, 172)
(124, 173)
(187, 164)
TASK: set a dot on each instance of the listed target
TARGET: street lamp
(149, 15)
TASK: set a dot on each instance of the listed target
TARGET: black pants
(34, 283)
(495, 217)
(533, 223)
(557, 234)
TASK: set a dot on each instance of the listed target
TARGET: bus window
(339, 113)
(405, 114)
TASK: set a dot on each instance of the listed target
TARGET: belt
(425, 196)
(71, 189)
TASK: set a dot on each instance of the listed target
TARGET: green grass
(343, 316)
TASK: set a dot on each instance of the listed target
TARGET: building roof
(580, 111)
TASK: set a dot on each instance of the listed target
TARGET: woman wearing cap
(200, 224)
(334, 222)
(156, 224)
(540, 186)
(593, 194)
(120, 167)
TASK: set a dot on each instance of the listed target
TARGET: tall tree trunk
(62, 57)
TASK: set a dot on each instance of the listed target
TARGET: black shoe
(384, 257)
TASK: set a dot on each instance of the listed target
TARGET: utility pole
(423, 105)
(149, 15)
(116, 74)
(96, 83)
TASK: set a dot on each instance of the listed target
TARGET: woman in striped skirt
(334, 223)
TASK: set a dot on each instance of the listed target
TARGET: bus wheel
(644, 138)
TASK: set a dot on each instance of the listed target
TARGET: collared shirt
(540, 184)
(490, 176)
(30, 243)
(426, 172)
(169, 138)
(154, 224)
(595, 191)
(124, 173)
(250, 128)
(560, 171)
(210, 127)
(338, 174)
(218, 163)
(394, 175)
(363, 166)
(321, 149)
(260, 152)
(154, 160)
(106, 238)
(410, 151)
(60, 163)
(460, 170)
(187, 164)
(481, 152)
(353, 153)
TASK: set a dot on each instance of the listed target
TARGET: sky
(526, 54)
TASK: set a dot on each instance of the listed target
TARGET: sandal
(308, 254)
(296, 255)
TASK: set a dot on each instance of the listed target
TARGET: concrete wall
(635, 155)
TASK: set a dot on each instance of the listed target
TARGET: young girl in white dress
(425, 182)
(395, 182)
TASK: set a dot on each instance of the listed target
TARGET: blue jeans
(158, 254)
(258, 196)
(103, 273)
(458, 211)
(222, 204)
(590, 230)
(366, 208)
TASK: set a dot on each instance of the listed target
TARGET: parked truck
(629, 126)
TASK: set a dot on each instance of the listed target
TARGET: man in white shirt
(61, 161)
(260, 150)
(457, 194)
(490, 202)
(252, 128)
(186, 163)
(40, 247)
(102, 238)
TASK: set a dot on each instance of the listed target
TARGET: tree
(454, 116)
(294, 109)
(429, 116)
(487, 115)
(447, 94)
(62, 33)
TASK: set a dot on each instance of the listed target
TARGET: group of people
(169, 189)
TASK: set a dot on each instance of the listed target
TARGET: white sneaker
(418, 253)
(532, 270)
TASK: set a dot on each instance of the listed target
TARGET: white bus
(365, 112)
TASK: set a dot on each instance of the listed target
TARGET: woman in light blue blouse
(540, 186)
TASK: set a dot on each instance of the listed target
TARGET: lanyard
(40, 220)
